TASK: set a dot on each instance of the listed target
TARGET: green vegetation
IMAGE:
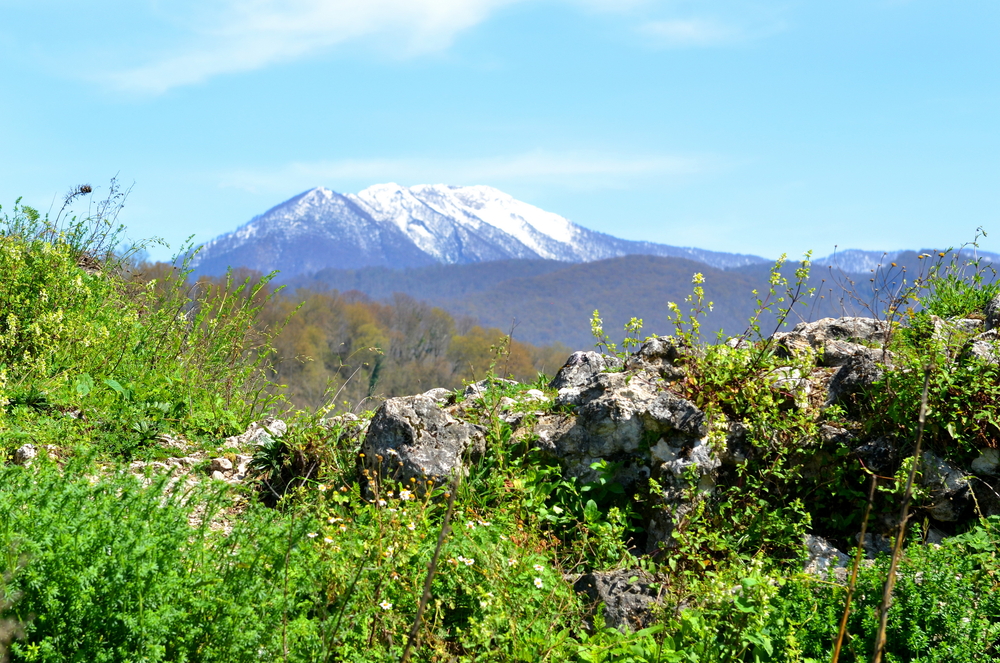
(103, 362)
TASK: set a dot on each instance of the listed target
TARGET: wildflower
(389, 493)
(484, 523)
(539, 568)
(411, 527)
(333, 520)
(511, 562)
(343, 528)
(452, 560)
(327, 539)
(394, 576)
(312, 535)
(321, 488)
(381, 502)
(538, 583)
(388, 552)
(469, 561)
(385, 605)
(470, 525)
(405, 495)
(343, 489)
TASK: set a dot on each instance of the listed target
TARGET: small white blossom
(385, 605)
(538, 583)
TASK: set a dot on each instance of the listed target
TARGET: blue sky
(760, 127)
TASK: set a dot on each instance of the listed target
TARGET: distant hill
(552, 302)
(387, 225)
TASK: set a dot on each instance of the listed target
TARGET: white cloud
(691, 32)
(242, 35)
(573, 170)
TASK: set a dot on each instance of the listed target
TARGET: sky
(743, 126)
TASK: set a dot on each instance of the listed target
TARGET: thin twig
(431, 570)
(854, 572)
(904, 515)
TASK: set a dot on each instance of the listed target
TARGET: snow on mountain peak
(392, 225)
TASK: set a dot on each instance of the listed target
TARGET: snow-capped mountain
(395, 226)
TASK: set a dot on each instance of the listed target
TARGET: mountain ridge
(394, 226)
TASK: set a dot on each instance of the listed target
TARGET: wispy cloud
(573, 170)
(238, 36)
(692, 32)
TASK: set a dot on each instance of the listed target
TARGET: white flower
(511, 562)
(539, 568)
(312, 535)
(538, 583)
(385, 605)
(469, 561)
(405, 495)
(485, 523)
(411, 527)
(343, 528)
(471, 525)
(327, 539)
(381, 502)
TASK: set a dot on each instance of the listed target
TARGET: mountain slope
(393, 226)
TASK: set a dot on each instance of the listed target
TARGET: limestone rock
(413, 438)
(988, 463)
(221, 465)
(823, 557)
(858, 374)
(259, 432)
(992, 313)
(627, 596)
(984, 347)
(579, 370)
(25, 454)
(661, 355)
(948, 486)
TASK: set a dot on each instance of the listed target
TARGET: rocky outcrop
(413, 438)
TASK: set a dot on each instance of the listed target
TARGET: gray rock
(879, 455)
(835, 340)
(992, 313)
(983, 347)
(256, 433)
(578, 372)
(823, 558)
(221, 465)
(857, 375)
(948, 486)
(218, 476)
(660, 355)
(988, 463)
(791, 381)
(857, 330)
(438, 394)
(413, 438)
(627, 596)
(25, 454)
(673, 467)
(951, 330)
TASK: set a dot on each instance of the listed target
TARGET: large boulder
(412, 437)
